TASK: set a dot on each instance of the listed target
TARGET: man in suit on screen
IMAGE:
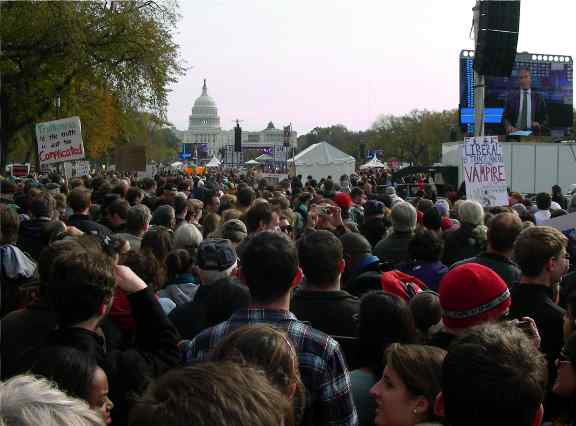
(525, 109)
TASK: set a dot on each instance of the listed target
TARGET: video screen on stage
(550, 79)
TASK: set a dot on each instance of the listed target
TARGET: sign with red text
(484, 171)
(59, 140)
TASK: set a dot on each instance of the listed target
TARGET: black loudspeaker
(497, 37)
(287, 131)
(237, 138)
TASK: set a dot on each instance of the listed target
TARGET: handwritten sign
(60, 140)
(76, 169)
(484, 171)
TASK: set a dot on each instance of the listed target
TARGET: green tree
(415, 137)
(119, 56)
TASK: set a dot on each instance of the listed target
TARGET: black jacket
(461, 244)
(85, 224)
(332, 312)
(212, 304)
(23, 332)
(503, 266)
(129, 371)
(535, 301)
(32, 237)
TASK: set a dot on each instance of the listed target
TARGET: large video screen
(551, 77)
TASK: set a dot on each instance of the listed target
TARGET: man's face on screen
(525, 80)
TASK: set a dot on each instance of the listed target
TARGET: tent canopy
(263, 157)
(321, 160)
(252, 163)
(214, 162)
(374, 163)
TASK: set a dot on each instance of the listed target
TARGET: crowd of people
(224, 300)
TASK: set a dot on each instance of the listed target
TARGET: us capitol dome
(205, 138)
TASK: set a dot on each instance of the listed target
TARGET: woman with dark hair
(406, 393)
(384, 319)
(78, 375)
(158, 243)
(181, 283)
(425, 251)
(268, 349)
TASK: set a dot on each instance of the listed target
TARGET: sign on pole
(59, 140)
(484, 171)
(76, 169)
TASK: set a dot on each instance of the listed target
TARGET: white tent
(374, 163)
(321, 160)
(264, 157)
(214, 162)
(252, 163)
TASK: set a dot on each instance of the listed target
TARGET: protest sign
(150, 172)
(484, 171)
(59, 140)
(76, 169)
(562, 223)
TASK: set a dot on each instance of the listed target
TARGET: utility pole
(479, 81)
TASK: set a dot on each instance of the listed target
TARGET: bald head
(503, 230)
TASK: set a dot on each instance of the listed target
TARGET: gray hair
(27, 400)
(138, 218)
(209, 277)
(187, 236)
(403, 217)
(471, 212)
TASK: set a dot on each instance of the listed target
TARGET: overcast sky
(323, 62)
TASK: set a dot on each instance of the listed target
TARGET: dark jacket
(332, 312)
(512, 108)
(212, 304)
(23, 332)
(374, 228)
(535, 301)
(430, 273)
(85, 224)
(32, 236)
(394, 248)
(129, 371)
(503, 266)
(461, 244)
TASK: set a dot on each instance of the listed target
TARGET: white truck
(531, 167)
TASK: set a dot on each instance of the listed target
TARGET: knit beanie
(472, 294)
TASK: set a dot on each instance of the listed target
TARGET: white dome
(204, 112)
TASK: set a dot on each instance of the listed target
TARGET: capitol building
(206, 138)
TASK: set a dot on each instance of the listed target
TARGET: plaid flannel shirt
(322, 367)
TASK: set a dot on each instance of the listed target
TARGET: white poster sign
(76, 169)
(484, 171)
(151, 171)
(59, 140)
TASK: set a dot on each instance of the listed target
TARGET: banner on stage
(59, 140)
(76, 169)
(484, 171)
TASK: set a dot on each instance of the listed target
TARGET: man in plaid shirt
(269, 267)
